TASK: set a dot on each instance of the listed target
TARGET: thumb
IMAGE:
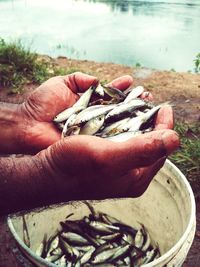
(142, 150)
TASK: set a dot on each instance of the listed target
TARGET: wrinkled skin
(82, 167)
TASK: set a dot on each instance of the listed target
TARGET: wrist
(24, 184)
(10, 134)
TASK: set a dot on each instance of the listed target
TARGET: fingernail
(171, 141)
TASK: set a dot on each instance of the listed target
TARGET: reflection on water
(161, 34)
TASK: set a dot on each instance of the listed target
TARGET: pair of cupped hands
(89, 167)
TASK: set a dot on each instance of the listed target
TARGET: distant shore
(181, 88)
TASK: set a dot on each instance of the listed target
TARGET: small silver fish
(65, 114)
(139, 238)
(68, 123)
(147, 243)
(124, 108)
(26, 237)
(87, 256)
(66, 248)
(114, 92)
(103, 227)
(92, 112)
(85, 98)
(110, 129)
(75, 238)
(93, 125)
(134, 93)
(52, 244)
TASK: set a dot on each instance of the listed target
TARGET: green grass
(188, 157)
(20, 66)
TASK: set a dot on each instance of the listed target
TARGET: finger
(112, 158)
(79, 82)
(147, 96)
(164, 118)
(141, 151)
(122, 82)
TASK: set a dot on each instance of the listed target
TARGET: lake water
(160, 34)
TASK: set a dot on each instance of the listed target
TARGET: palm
(51, 98)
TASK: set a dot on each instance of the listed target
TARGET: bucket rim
(188, 229)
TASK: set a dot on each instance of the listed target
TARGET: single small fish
(122, 137)
(85, 98)
(139, 239)
(111, 129)
(65, 114)
(134, 93)
(87, 256)
(103, 227)
(74, 238)
(124, 109)
(92, 112)
(66, 248)
(70, 121)
(110, 254)
(26, 237)
(93, 125)
(147, 242)
(114, 93)
(52, 244)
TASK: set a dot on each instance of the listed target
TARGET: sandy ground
(181, 89)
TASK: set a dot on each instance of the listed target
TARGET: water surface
(161, 34)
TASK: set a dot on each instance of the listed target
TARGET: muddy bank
(182, 89)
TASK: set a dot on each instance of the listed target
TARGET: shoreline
(182, 89)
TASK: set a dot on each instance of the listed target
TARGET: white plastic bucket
(167, 209)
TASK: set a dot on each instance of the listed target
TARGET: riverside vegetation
(19, 67)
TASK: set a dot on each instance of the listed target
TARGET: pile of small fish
(98, 240)
(109, 113)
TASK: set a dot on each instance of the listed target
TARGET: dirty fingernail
(171, 141)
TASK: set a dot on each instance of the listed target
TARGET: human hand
(89, 167)
(58, 93)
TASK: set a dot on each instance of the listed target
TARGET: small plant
(173, 70)
(188, 157)
(19, 66)
(138, 65)
(197, 63)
